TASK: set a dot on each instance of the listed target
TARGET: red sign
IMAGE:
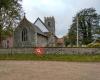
(39, 51)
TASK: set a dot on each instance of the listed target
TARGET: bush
(94, 45)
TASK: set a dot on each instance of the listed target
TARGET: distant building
(37, 34)
(8, 42)
(60, 42)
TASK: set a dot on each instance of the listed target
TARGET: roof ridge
(41, 22)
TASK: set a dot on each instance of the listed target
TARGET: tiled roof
(33, 27)
(38, 30)
(39, 23)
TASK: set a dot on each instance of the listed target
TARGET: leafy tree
(10, 14)
(66, 41)
(87, 23)
(72, 34)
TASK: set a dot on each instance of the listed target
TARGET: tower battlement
(50, 23)
(49, 18)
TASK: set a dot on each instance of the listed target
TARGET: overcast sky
(62, 10)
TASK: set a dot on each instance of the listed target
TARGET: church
(37, 34)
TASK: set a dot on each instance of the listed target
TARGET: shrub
(94, 45)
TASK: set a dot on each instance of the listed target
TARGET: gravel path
(48, 70)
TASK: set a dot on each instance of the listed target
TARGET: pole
(77, 34)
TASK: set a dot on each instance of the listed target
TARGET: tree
(72, 34)
(66, 41)
(10, 14)
(87, 23)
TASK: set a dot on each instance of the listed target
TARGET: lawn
(51, 57)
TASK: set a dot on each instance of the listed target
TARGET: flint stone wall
(50, 50)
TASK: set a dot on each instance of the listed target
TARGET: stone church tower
(50, 24)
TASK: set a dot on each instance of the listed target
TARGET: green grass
(51, 57)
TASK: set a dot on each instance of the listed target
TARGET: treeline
(86, 22)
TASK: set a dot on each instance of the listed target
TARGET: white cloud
(62, 10)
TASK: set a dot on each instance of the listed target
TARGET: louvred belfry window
(49, 24)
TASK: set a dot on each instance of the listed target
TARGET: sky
(62, 10)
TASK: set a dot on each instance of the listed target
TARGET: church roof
(36, 28)
(39, 23)
(25, 22)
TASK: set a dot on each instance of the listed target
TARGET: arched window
(24, 34)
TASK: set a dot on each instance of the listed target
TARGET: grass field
(51, 57)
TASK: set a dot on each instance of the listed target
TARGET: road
(49, 70)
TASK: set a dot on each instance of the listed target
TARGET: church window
(24, 34)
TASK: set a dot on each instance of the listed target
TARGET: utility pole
(77, 33)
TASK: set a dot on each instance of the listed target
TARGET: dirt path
(48, 70)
